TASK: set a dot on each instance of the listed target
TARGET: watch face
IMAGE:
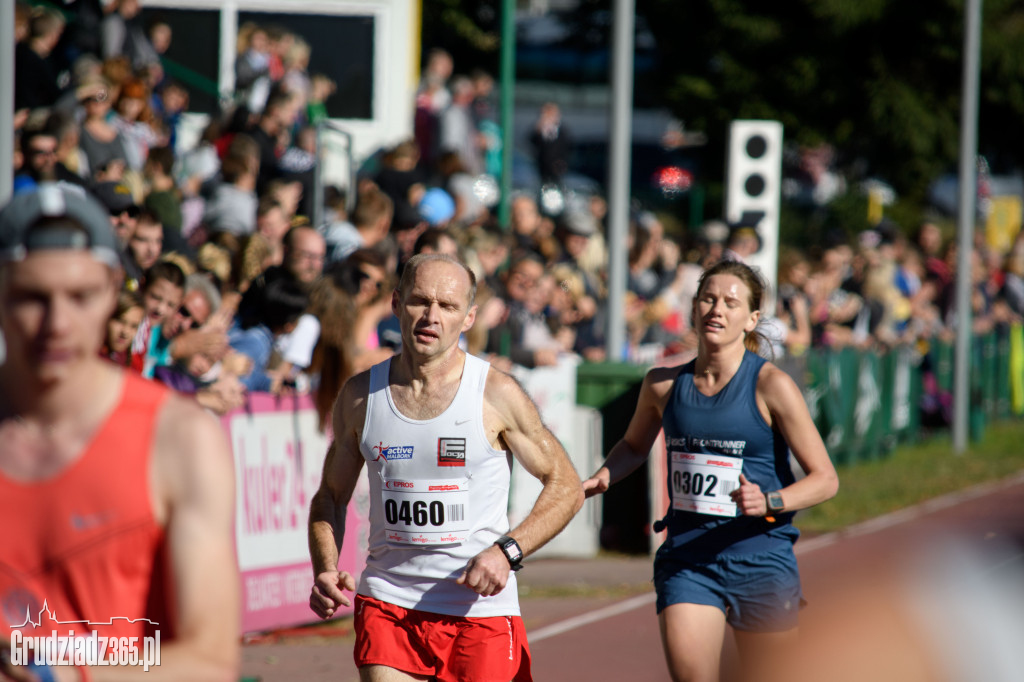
(513, 551)
(775, 502)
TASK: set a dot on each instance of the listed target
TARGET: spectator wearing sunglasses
(39, 160)
(117, 198)
(195, 327)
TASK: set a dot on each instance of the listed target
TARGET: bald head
(417, 261)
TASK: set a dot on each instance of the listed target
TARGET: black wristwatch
(510, 548)
(774, 502)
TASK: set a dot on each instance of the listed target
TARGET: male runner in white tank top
(437, 430)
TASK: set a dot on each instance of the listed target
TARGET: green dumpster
(613, 388)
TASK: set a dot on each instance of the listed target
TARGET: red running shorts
(450, 648)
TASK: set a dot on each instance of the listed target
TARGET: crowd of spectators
(230, 288)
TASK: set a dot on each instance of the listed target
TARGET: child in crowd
(162, 290)
(122, 327)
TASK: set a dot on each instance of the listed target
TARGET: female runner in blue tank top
(731, 419)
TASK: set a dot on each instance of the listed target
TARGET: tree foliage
(878, 79)
(469, 29)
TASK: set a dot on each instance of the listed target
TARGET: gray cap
(52, 200)
(579, 222)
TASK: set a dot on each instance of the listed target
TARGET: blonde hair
(216, 259)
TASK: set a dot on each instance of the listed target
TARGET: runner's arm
(644, 427)
(329, 508)
(194, 474)
(511, 416)
(791, 417)
(543, 456)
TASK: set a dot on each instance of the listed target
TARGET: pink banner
(279, 454)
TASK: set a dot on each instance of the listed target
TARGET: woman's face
(372, 281)
(98, 104)
(130, 107)
(722, 310)
(121, 329)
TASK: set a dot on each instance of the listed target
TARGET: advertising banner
(279, 454)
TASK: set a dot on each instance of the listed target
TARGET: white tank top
(438, 497)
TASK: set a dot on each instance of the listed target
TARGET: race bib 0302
(426, 512)
(702, 483)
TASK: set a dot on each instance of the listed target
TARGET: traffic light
(753, 183)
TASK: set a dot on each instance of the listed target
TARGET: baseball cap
(19, 219)
(116, 196)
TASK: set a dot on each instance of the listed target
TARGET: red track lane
(625, 646)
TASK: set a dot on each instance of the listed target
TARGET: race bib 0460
(702, 483)
(426, 512)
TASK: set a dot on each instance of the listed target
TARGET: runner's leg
(692, 637)
(760, 652)
(382, 673)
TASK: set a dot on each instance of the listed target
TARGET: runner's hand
(327, 593)
(486, 573)
(596, 484)
(749, 499)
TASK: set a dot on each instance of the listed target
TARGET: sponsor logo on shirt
(392, 452)
(451, 452)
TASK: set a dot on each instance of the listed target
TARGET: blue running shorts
(757, 592)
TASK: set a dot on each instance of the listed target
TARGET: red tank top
(86, 542)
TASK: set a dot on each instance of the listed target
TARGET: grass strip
(914, 473)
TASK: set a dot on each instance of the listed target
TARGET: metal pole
(6, 101)
(618, 174)
(965, 225)
(317, 219)
(507, 90)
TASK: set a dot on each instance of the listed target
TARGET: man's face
(42, 157)
(54, 307)
(161, 299)
(435, 310)
(194, 311)
(123, 223)
(273, 224)
(575, 244)
(525, 216)
(306, 257)
(146, 243)
(522, 279)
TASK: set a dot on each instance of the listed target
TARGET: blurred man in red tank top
(116, 496)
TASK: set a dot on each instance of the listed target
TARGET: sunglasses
(363, 276)
(132, 211)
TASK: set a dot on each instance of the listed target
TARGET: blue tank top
(727, 423)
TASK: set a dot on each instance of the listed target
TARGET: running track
(616, 639)
(626, 645)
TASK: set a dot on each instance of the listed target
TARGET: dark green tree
(880, 80)
(469, 29)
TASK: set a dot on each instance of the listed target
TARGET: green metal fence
(864, 403)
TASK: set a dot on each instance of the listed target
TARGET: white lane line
(802, 547)
(908, 514)
(592, 617)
